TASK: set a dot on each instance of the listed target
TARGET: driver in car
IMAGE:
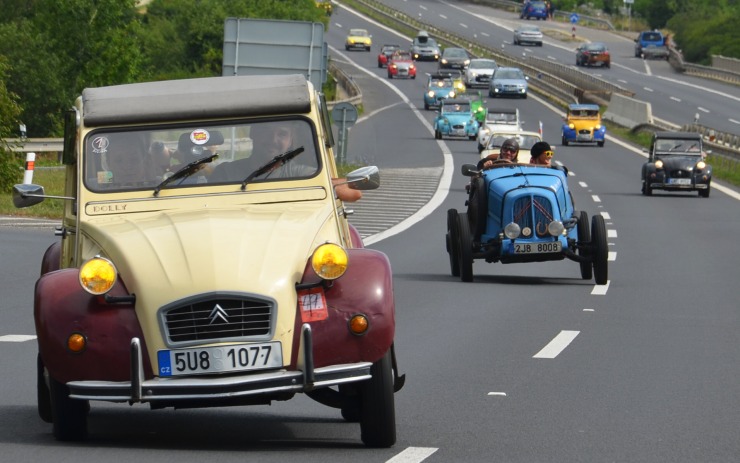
(509, 153)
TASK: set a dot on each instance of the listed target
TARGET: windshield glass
(508, 74)
(685, 147)
(143, 158)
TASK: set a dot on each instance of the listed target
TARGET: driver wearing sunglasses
(509, 153)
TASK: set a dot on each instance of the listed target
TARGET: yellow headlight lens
(98, 275)
(329, 261)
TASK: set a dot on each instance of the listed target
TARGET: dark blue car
(524, 213)
(536, 10)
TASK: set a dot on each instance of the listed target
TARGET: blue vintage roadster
(523, 213)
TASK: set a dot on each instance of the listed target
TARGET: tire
(69, 416)
(426, 106)
(524, 96)
(437, 135)
(599, 250)
(351, 412)
(390, 76)
(477, 207)
(646, 189)
(705, 193)
(464, 248)
(584, 236)
(43, 396)
(564, 141)
(490, 93)
(600, 144)
(378, 410)
(451, 238)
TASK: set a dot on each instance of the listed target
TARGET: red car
(593, 54)
(402, 65)
(385, 54)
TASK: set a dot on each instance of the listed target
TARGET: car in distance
(358, 39)
(401, 65)
(454, 58)
(457, 79)
(676, 162)
(526, 33)
(455, 119)
(439, 87)
(520, 213)
(385, 54)
(583, 125)
(593, 54)
(231, 279)
(537, 10)
(526, 140)
(478, 73)
(495, 120)
(651, 44)
(425, 48)
(508, 81)
(325, 5)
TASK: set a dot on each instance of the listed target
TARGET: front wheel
(378, 412)
(599, 250)
(584, 235)
(465, 248)
(451, 239)
(564, 141)
(69, 415)
(600, 144)
(43, 396)
(705, 193)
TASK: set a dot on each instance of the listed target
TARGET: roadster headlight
(329, 261)
(512, 230)
(555, 228)
(98, 275)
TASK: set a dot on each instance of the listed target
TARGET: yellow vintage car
(205, 259)
(358, 39)
(326, 6)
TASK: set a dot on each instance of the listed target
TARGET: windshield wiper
(272, 164)
(185, 172)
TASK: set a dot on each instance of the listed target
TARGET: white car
(479, 72)
(525, 139)
(498, 119)
(528, 34)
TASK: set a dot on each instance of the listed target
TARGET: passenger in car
(541, 154)
(270, 140)
(509, 153)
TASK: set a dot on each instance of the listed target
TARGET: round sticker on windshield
(199, 136)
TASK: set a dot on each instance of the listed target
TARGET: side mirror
(364, 178)
(469, 170)
(25, 195)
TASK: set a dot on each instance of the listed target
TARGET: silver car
(528, 34)
(479, 72)
(508, 82)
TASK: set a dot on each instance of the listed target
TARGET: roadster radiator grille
(218, 319)
(533, 212)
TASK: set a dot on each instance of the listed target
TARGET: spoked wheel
(599, 250)
(584, 235)
(465, 248)
(378, 410)
(69, 415)
(452, 238)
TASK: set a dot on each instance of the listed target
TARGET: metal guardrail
(347, 84)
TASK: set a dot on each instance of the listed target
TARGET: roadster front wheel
(465, 248)
(599, 250)
(451, 239)
(584, 235)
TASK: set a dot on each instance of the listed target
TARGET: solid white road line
(600, 290)
(557, 345)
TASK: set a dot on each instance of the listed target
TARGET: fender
(367, 288)
(355, 237)
(62, 307)
(52, 259)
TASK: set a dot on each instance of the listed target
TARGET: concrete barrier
(628, 112)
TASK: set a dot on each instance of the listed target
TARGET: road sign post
(344, 115)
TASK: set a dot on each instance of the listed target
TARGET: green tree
(9, 111)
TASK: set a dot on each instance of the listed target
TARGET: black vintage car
(676, 163)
